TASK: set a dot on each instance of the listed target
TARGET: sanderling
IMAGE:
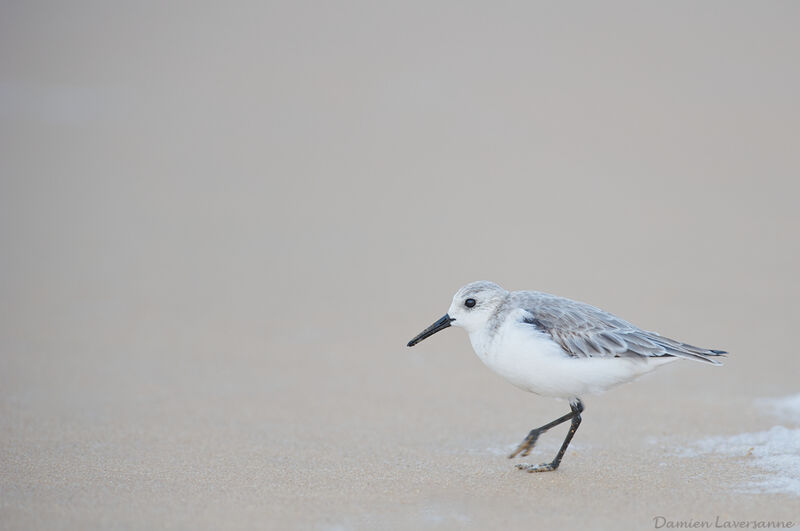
(556, 347)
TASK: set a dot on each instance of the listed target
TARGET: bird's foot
(526, 445)
(544, 467)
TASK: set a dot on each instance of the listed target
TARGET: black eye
(469, 303)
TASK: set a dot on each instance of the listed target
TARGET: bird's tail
(684, 350)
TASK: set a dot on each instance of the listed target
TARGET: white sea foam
(774, 454)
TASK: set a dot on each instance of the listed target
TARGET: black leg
(530, 440)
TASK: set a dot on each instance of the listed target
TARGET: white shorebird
(556, 347)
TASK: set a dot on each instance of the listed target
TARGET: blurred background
(220, 224)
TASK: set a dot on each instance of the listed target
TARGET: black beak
(441, 324)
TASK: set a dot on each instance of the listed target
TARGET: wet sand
(220, 228)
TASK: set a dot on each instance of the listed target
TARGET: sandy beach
(220, 227)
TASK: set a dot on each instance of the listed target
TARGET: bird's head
(472, 307)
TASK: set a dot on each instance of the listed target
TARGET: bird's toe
(525, 446)
(544, 467)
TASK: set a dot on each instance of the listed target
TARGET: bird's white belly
(532, 361)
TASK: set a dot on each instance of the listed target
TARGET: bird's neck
(482, 343)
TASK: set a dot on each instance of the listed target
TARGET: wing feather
(584, 331)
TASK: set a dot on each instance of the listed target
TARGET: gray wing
(584, 331)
